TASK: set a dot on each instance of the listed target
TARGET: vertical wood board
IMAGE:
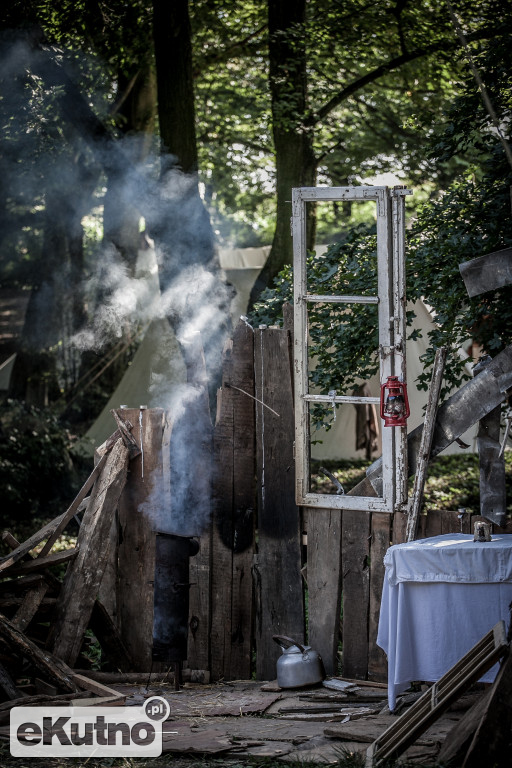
(280, 598)
(380, 542)
(356, 592)
(324, 584)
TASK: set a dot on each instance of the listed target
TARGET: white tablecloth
(440, 597)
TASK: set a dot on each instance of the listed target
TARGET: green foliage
(36, 470)
(470, 219)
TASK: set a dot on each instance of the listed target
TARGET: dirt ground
(240, 723)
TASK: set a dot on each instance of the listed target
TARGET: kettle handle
(287, 642)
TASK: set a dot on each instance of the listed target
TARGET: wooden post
(142, 506)
(425, 443)
(278, 567)
(324, 584)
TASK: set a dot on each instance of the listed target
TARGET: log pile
(43, 619)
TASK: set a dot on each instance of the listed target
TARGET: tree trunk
(175, 86)
(45, 362)
(293, 137)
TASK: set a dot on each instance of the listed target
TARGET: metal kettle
(299, 665)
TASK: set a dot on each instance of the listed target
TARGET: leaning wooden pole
(425, 444)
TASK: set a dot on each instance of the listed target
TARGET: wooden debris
(50, 666)
(95, 687)
(73, 508)
(81, 584)
(41, 563)
(482, 737)
(141, 678)
(487, 273)
(438, 697)
(7, 684)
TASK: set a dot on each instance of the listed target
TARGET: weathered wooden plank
(83, 577)
(29, 606)
(432, 523)
(380, 542)
(356, 592)
(488, 272)
(324, 584)
(244, 501)
(222, 535)
(200, 462)
(482, 737)
(72, 509)
(41, 563)
(143, 507)
(278, 568)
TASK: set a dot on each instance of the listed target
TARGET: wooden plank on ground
(278, 568)
(356, 592)
(380, 542)
(324, 584)
(144, 506)
(83, 577)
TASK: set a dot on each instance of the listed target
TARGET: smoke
(56, 157)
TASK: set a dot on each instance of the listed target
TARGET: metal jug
(299, 664)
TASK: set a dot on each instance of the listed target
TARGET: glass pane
(342, 448)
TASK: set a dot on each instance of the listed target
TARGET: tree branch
(384, 69)
(224, 54)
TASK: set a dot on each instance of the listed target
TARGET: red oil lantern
(394, 403)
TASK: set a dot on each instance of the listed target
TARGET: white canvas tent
(158, 360)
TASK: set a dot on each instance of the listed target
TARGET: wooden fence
(254, 576)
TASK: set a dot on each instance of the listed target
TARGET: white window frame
(391, 300)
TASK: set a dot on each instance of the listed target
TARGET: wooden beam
(425, 446)
(487, 273)
(83, 578)
(41, 563)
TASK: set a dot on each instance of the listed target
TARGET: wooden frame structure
(391, 299)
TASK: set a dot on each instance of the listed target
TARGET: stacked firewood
(43, 619)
